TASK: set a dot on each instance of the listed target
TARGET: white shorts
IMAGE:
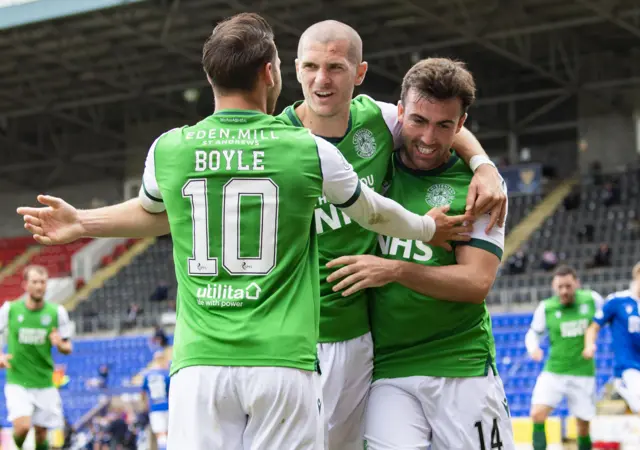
(43, 406)
(415, 413)
(245, 408)
(346, 369)
(628, 386)
(551, 388)
(159, 421)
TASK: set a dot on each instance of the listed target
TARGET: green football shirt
(240, 189)
(28, 341)
(368, 143)
(566, 326)
(417, 335)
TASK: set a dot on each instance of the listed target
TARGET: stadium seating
(10, 248)
(519, 372)
(56, 259)
(560, 234)
(125, 356)
(134, 284)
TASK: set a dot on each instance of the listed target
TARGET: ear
(269, 75)
(297, 62)
(461, 122)
(361, 72)
(400, 111)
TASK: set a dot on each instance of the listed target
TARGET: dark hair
(565, 270)
(236, 51)
(34, 268)
(440, 79)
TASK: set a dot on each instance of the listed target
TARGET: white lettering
(215, 154)
(244, 134)
(32, 336)
(240, 166)
(228, 156)
(369, 180)
(405, 243)
(224, 134)
(332, 220)
(416, 250)
(573, 328)
(257, 160)
(201, 160)
(201, 134)
(322, 200)
(383, 242)
(634, 324)
(212, 295)
(424, 254)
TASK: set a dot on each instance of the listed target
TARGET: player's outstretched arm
(58, 222)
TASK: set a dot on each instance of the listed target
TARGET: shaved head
(332, 31)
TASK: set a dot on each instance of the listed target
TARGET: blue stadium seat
(125, 356)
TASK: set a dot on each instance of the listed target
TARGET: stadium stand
(57, 260)
(611, 225)
(107, 307)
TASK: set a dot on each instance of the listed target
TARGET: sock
(539, 437)
(584, 442)
(44, 445)
(19, 440)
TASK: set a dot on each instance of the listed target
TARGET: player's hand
(449, 228)
(487, 195)
(589, 352)
(537, 355)
(56, 223)
(54, 338)
(4, 361)
(360, 272)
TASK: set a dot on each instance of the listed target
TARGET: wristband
(478, 160)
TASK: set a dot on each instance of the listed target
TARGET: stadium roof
(72, 88)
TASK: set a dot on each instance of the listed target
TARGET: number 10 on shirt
(201, 263)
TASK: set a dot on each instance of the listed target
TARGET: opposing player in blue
(155, 391)
(622, 311)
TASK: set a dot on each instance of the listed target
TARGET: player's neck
(240, 101)
(334, 126)
(34, 305)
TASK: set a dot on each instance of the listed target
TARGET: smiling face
(429, 127)
(328, 75)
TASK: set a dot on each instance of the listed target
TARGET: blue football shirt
(621, 311)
